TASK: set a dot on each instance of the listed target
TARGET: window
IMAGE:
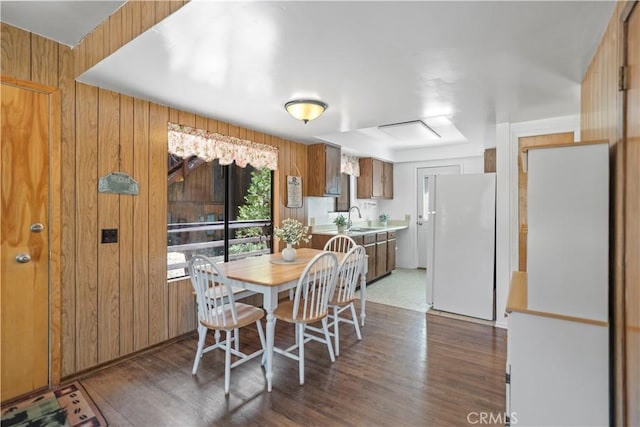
(349, 166)
(220, 210)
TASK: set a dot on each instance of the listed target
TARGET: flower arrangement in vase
(384, 218)
(340, 222)
(292, 233)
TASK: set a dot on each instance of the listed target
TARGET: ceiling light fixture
(305, 109)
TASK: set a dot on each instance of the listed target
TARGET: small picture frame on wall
(294, 191)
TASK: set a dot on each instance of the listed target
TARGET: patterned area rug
(68, 406)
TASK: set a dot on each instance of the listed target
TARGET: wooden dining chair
(343, 297)
(339, 243)
(218, 311)
(310, 305)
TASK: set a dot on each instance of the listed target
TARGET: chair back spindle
(315, 287)
(216, 304)
(339, 243)
(349, 273)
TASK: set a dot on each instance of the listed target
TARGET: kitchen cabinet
(343, 202)
(358, 239)
(381, 254)
(379, 246)
(370, 249)
(391, 250)
(318, 240)
(554, 362)
(387, 180)
(375, 180)
(323, 162)
(558, 335)
(568, 230)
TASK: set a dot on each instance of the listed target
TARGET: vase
(289, 253)
(383, 223)
(341, 229)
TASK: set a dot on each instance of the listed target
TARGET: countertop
(361, 231)
(517, 302)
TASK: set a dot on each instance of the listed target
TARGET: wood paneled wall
(131, 20)
(599, 102)
(602, 118)
(115, 297)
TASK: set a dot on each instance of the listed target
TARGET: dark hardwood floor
(410, 369)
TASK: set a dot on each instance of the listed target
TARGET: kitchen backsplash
(319, 210)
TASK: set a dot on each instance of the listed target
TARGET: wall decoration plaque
(294, 191)
(119, 183)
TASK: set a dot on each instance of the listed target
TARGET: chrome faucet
(349, 223)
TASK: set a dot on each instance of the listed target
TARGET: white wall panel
(568, 235)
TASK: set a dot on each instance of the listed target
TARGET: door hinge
(622, 78)
(507, 378)
(507, 421)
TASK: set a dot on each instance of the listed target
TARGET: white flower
(292, 231)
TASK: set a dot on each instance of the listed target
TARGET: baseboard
(502, 324)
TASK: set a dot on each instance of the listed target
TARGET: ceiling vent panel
(414, 130)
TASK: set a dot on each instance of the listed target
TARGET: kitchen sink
(367, 228)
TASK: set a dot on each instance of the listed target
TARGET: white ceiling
(66, 22)
(461, 67)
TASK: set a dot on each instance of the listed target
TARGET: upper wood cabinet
(375, 180)
(324, 170)
(387, 180)
(343, 202)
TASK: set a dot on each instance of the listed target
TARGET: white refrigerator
(464, 245)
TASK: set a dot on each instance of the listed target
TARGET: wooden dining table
(269, 275)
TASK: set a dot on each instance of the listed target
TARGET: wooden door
(632, 221)
(525, 143)
(28, 127)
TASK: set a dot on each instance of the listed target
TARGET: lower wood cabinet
(381, 254)
(560, 365)
(380, 249)
(391, 251)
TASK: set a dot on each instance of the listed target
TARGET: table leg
(270, 303)
(363, 297)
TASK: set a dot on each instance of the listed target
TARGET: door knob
(23, 258)
(36, 227)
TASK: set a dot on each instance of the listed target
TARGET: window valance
(185, 141)
(350, 165)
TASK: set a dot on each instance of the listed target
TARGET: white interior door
(426, 207)
(463, 264)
